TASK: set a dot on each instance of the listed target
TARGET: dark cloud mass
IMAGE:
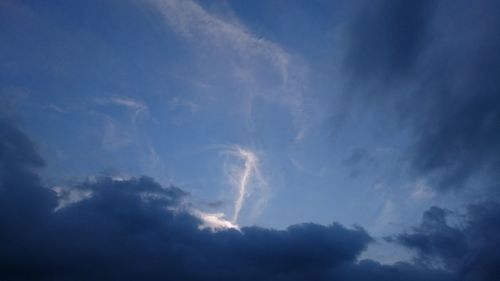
(471, 248)
(436, 63)
(386, 37)
(136, 229)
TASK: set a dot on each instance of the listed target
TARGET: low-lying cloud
(469, 248)
(134, 228)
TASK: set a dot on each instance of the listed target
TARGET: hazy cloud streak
(249, 57)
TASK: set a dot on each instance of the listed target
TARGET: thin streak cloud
(250, 166)
(249, 57)
(246, 177)
(137, 107)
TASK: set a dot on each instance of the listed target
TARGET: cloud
(250, 167)
(358, 155)
(389, 215)
(438, 74)
(136, 107)
(246, 178)
(214, 221)
(422, 192)
(133, 228)
(259, 67)
(57, 108)
(358, 160)
(469, 248)
(67, 195)
(116, 135)
(384, 38)
(177, 102)
(125, 130)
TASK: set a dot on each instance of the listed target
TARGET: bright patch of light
(214, 221)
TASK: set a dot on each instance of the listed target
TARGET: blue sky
(268, 113)
(168, 89)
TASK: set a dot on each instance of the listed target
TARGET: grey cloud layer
(470, 248)
(435, 63)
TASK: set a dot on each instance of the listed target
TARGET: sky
(249, 140)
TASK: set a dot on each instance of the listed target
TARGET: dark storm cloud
(436, 63)
(136, 229)
(370, 270)
(386, 37)
(25, 206)
(470, 249)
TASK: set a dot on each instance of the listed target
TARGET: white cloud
(68, 195)
(57, 108)
(214, 221)
(244, 173)
(118, 133)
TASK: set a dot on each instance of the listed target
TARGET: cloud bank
(435, 65)
(470, 248)
(133, 228)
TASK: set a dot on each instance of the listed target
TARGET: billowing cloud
(133, 228)
(469, 247)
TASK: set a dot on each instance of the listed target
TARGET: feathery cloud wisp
(246, 177)
(249, 57)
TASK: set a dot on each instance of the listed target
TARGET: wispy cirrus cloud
(244, 172)
(135, 106)
(245, 71)
(260, 68)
